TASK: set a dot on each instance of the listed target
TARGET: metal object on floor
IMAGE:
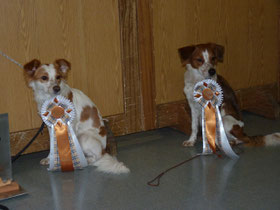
(8, 189)
(5, 157)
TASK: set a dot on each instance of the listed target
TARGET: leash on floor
(158, 177)
(2, 207)
(150, 183)
(14, 158)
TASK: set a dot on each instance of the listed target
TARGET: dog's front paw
(92, 159)
(188, 143)
(235, 142)
(45, 161)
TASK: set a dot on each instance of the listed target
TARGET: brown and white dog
(200, 61)
(49, 80)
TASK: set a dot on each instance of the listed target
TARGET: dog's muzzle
(212, 72)
(56, 89)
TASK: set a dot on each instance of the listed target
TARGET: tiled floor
(252, 182)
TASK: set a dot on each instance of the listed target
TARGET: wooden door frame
(137, 66)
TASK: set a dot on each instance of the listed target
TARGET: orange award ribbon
(209, 95)
(65, 151)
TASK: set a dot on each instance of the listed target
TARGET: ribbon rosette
(209, 95)
(65, 151)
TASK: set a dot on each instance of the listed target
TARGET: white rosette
(208, 93)
(67, 116)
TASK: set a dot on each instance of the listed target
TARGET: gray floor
(252, 182)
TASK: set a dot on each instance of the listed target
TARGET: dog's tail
(267, 140)
(109, 164)
(260, 140)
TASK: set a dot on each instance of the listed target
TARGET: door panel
(76, 30)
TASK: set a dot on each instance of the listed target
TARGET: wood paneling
(76, 30)
(261, 100)
(146, 63)
(137, 65)
(247, 29)
(175, 114)
(130, 66)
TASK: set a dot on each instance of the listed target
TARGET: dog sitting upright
(200, 61)
(47, 81)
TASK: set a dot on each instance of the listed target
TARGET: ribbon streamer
(209, 95)
(65, 151)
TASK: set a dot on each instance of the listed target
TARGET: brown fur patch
(30, 69)
(70, 96)
(256, 141)
(61, 64)
(104, 151)
(59, 75)
(40, 74)
(91, 112)
(237, 132)
(102, 131)
(85, 115)
(230, 102)
(276, 135)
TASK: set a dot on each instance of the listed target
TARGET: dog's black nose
(212, 72)
(56, 89)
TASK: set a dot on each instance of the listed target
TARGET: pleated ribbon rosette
(209, 95)
(65, 151)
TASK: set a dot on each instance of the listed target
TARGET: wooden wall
(124, 52)
(85, 32)
(247, 29)
(124, 56)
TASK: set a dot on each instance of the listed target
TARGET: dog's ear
(185, 53)
(219, 52)
(31, 67)
(63, 65)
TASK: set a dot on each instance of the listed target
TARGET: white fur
(228, 122)
(272, 139)
(110, 165)
(91, 142)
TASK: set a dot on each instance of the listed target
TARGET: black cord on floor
(161, 174)
(14, 158)
(157, 178)
(3, 207)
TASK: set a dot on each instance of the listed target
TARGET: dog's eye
(199, 60)
(58, 77)
(44, 77)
